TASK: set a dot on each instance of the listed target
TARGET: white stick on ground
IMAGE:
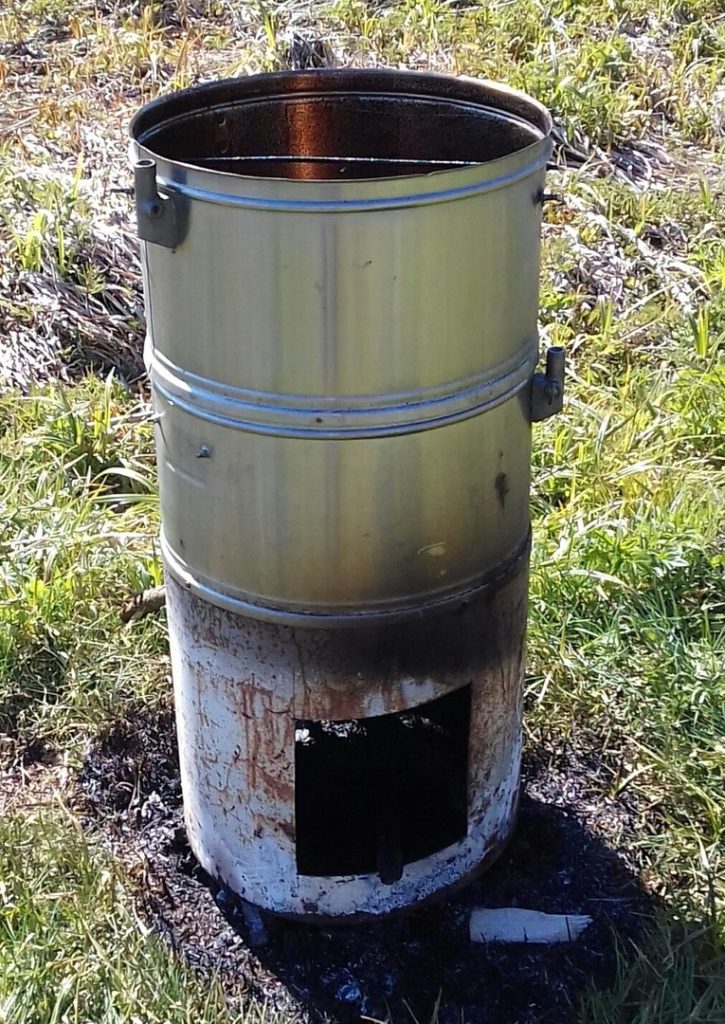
(510, 924)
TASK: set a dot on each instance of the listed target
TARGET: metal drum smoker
(341, 274)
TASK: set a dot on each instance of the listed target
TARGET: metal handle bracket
(160, 219)
(547, 389)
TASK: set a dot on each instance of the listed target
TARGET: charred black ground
(559, 861)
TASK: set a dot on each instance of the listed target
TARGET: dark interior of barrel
(339, 136)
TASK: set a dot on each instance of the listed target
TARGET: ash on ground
(420, 965)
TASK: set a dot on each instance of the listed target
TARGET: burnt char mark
(501, 484)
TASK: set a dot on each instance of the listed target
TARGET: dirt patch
(561, 860)
(30, 775)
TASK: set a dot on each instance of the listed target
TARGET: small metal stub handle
(547, 389)
(548, 197)
(160, 219)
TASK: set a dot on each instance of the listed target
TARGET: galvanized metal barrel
(341, 274)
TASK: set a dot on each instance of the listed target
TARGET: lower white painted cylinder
(340, 832)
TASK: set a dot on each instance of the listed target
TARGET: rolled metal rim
(349, 416)
(268, 192)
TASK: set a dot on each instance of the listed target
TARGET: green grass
(71, 947)
(79, 527)
(627, 626)
(676, 978)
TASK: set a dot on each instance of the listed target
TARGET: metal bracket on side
(547, 389)
(163, 220)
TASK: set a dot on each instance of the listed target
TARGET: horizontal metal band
(352, 416)
(289, 614)
(360, 203)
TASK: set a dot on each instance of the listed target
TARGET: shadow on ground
(563, 858)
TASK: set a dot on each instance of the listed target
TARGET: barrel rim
(213, 185)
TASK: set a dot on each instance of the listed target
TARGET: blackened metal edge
(336, 617)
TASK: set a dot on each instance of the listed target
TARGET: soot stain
(502, 488)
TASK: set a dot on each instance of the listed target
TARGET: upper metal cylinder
(341, 275)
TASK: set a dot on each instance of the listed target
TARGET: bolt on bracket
(547, 389)
(160, 219)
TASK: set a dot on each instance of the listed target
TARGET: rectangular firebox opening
(375, 794)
